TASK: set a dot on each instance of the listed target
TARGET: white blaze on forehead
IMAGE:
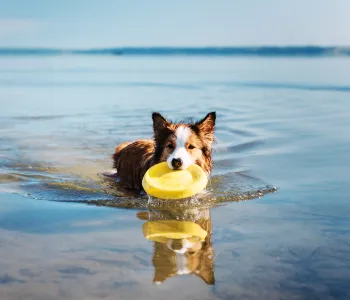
(182, 134)
(180, 258)
(181, 264)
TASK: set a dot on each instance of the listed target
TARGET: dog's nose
(176, 163)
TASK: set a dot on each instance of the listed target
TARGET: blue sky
(113, 23)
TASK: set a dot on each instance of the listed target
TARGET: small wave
(37, 118)
(242, 147)
(292, 86)
(64, 84)
(193, 86)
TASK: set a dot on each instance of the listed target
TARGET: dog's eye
(191, 147)
(170, 146)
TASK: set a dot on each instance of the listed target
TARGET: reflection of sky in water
(75, 251)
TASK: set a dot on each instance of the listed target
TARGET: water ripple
(189, 86)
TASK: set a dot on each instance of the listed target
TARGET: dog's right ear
(159, 122)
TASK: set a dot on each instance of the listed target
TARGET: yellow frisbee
(163, 230)
(164, 183)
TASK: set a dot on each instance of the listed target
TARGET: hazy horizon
(78, 24)
(183, 46)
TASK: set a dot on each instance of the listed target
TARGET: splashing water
(45, 182)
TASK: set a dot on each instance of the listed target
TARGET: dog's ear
(206, 126)
(159, 122)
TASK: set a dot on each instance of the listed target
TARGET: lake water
(67, 233)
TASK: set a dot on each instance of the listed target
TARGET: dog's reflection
(181, 247)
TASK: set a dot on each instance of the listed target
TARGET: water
(281, 122)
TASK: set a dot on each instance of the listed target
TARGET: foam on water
(45, 182)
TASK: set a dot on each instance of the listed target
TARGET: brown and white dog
(173, 257)
(179, 144)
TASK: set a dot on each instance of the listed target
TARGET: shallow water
(280, 123)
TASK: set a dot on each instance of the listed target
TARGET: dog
(177, 257)
(179, 144)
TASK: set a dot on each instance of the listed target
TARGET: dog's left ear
(206, 126)
(159, 122)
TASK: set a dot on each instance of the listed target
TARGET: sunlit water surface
(280, 123)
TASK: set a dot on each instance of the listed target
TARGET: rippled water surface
(68, 233)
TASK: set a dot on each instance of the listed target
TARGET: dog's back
(132, 160)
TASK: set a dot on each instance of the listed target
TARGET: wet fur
(133, 159)
(199, 257)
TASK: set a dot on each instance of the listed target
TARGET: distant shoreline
(265, 51)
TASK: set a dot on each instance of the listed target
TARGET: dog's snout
(176, 163)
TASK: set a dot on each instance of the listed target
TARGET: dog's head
(182, 144)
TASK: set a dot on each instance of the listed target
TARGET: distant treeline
(189, 51)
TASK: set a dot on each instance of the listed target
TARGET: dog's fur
(183, 256)
(189, 143)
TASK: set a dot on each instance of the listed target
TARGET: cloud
(10, 27)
